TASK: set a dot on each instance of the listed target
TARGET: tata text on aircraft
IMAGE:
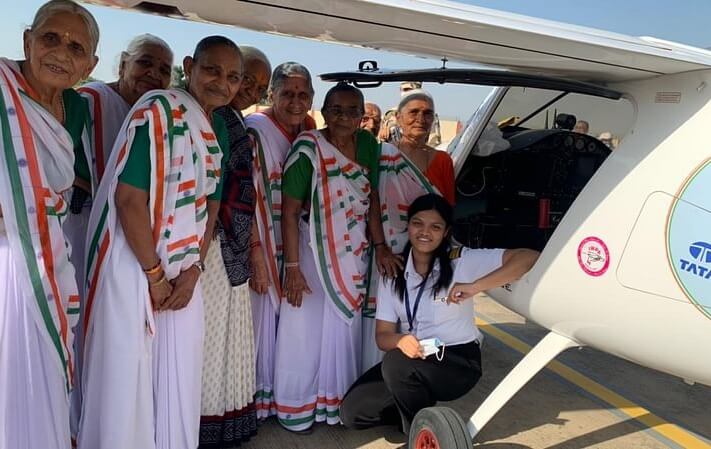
(625, 235)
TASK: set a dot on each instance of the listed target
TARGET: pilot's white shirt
(451, 323)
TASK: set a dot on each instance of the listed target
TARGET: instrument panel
(517, 197)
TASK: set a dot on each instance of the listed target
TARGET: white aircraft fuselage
(620, 273)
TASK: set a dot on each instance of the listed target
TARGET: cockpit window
(609, 119)
(530, 158)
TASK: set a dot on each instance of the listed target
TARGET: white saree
(38, 298)
(142, 370)
(108, 110)
(319, 344)
(271, 145)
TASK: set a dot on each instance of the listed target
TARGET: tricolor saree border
(32, 211)
(267, 177)
(400, 183)
(185, 168)
(340, 192)
(318, 409)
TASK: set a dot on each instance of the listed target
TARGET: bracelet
(255, 244)
(200, 266)
(291, 264)
(154, 269)
(159, 281)
(375, 245)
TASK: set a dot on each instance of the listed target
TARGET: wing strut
(545, 351)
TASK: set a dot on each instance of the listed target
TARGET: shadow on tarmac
(547, 397)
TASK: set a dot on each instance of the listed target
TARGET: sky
(684, 21)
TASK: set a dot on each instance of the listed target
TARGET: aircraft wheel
(438, 428)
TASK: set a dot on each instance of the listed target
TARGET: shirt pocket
(445, 312)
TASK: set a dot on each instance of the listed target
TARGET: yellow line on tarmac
(666, 429)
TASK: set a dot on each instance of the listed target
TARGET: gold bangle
(159, 281)
(154, 269)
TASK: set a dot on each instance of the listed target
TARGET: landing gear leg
(546, 350)
(443, 428)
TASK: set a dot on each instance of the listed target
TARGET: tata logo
(701, 264)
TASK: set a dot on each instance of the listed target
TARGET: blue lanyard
(411, 315)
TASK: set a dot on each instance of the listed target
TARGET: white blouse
(435, 318)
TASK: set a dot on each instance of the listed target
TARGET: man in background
(581, 127)
(371, 119)
(607, 138)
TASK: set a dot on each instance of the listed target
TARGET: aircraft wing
(448, 29)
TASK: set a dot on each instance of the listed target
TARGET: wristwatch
(200, 266)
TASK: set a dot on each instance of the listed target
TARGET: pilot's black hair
(214, 41)
(430, 201)
(343, 87)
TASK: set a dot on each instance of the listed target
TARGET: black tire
(444, 424)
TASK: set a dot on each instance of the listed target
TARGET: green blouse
(76, 112)
(296, 181)
(137, 171)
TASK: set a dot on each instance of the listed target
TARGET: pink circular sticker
(593, 256)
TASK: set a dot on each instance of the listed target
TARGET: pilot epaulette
(455, 252)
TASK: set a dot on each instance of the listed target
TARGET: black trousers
(392, 392)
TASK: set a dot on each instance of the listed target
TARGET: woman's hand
(159, 289)
(259, 280)
(183, 287)
(295, 286)
(384, 133)
(389, 265)
(409, 346)
(463, 291)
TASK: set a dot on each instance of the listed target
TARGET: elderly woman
(43, 121)
(330, 205)
(415, 115)
(156, 204)
(228, 386)
(407, 171)
(145, 65)
(272, 133)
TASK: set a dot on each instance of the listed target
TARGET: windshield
(465, 140)
(602, 115)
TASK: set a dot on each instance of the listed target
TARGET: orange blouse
(440, 173)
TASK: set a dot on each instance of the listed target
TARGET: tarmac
(583, 399)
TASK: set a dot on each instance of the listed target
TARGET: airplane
(626, 248)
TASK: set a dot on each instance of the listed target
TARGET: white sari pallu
(38, 298)
(319, 344)
(142, 374)
(399, 184)
(108, 110)
(271, 145)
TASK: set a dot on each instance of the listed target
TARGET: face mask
(432, 346)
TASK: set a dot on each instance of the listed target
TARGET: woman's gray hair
(287, 70)
(415, 94)
(140, 41)
(53, 7)
(250, 53)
